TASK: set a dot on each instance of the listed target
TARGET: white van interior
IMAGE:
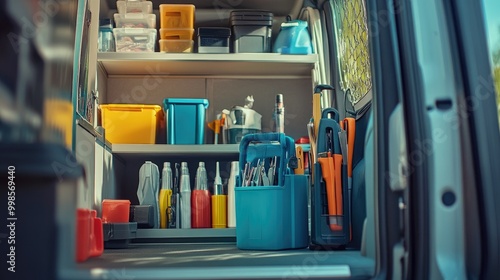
(112, 169)
(399, 94)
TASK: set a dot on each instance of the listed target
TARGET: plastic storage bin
(106, 38)
(176, 46)
(177, 16)
(176, 33)
(135, 39)
(213, 39)
(132, 20)
(293, 38)
(130, 124)
(144, 7)
(89, 235)
(271, 217)
(185, 119)
(251, 31)
(115, 211)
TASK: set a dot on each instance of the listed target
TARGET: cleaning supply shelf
(196, 64)
(205, 233)
(146, 150)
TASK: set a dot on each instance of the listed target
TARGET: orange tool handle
(316, 113)
(299, 153)
(327, 171)
(337, 162)
(349, 125)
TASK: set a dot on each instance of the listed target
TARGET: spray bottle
(165, 193)
(200, 200)
(279, 114)
(148, 189)
(231, 184)
(185, 196)
(173, 218)
(219, 202)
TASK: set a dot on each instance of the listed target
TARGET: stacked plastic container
(135, 26)
(252, 30)
(176, 28)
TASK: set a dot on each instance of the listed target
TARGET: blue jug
(294, 38)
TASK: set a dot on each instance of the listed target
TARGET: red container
(201, 215)
(83, 218)
(115, 211)
(96, 235)
(89, 235)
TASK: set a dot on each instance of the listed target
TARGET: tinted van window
(492, 20)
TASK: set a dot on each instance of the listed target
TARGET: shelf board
(186, 233)
(195, 64)
(174, 150)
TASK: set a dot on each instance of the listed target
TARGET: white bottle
(149, 186)
(185, 193)
(231, 184)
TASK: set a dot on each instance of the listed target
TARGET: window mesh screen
(351, 33)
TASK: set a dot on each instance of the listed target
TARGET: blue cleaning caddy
(271, 217)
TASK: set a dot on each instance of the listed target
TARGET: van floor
(196, 255)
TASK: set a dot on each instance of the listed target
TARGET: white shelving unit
(186, 233)
(177, 150)
(162, 151)
(234, 64)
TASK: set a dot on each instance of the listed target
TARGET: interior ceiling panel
(278, 7)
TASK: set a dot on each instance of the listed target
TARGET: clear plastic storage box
(132, 20)
(135, 39)
(143, 7)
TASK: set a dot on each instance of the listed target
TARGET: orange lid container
(176, 46)
(177, 16)
(115, 211)
(176, 33)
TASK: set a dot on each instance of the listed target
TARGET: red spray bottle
(201, 216)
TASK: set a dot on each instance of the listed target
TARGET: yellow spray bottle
(219, 203)
(165, 193)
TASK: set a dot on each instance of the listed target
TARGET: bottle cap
(166, 164)
(279, 98)
(218, 189)
(218, 180)
(201, 164)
